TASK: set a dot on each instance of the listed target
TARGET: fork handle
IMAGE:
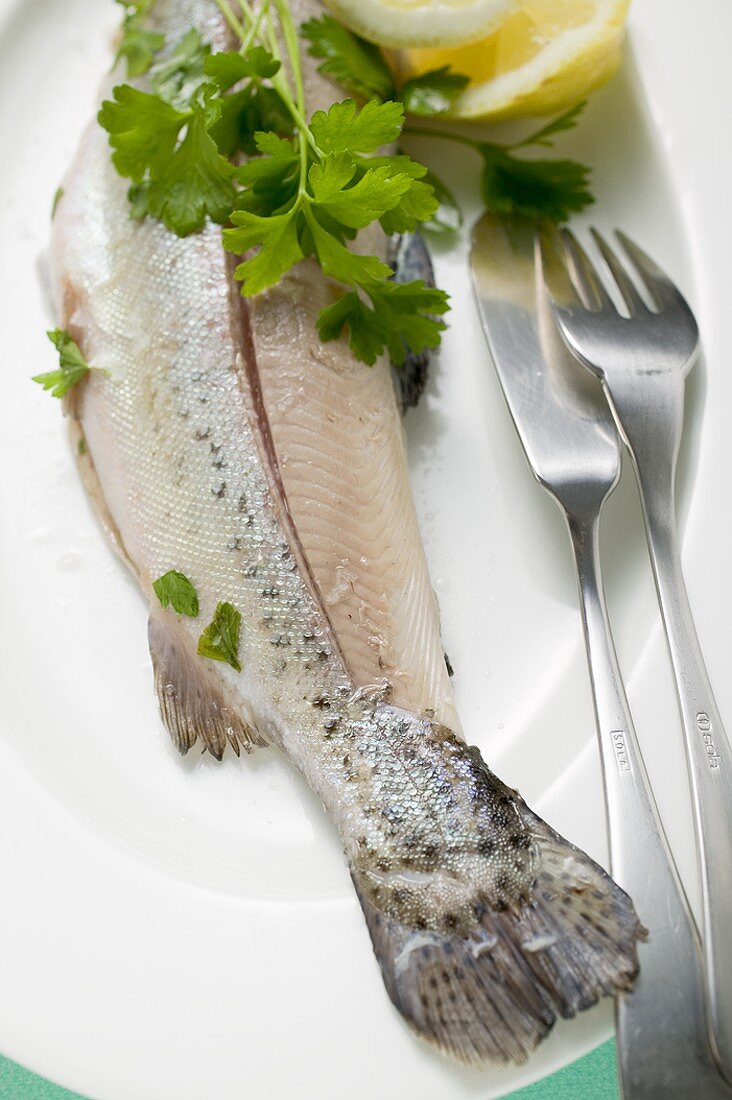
(663, 1040)
(653, 434)
(708, 753)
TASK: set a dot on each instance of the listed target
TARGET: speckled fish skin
(228, 443)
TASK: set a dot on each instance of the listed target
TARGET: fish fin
(410, 259)
(490, 996)
(90, 478)
(192, 702)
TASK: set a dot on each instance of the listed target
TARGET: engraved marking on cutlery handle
(621, 751)
(704, 725)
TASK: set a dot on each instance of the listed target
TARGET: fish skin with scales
(223, 440)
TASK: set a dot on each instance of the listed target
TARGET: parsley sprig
(360, 67)
(309, 186)
(72, 366)
(177, 171)
(309, 195)
(536, 188)
(510, 184)
(174, 588)
(138, 45)
(220, 640)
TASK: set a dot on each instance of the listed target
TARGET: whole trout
(224, 440)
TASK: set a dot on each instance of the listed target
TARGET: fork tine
(659, 286)
(585, 277)
(625, 284)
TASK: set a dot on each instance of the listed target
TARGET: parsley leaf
(348, 59)
(400, 318)
(178, 75)
(227, 69)
(344, 195)
(57, 196)
(72, 365)
(406, 311)
(182, 183)
(366, 338)
(433, 93)
(338, 261)
(534, 188)
(559, 125)
(417, 204)
(343, 128)
(328, 178)
(143, 130)
(356, 206)
(220, 639)
(540, 188)
(138, 199)
(195, 182)
(280, 248)
(360, 67)
(447, 218)
(400, 162)
(271, 180)
(138, 45)
(253, 109)
(175, 588)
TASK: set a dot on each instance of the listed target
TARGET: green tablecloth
(592, 1078)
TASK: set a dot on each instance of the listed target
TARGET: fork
(642, 360)
(572, 446)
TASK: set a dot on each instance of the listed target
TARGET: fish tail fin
(490, 996)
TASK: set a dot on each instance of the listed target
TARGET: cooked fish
(227, 442)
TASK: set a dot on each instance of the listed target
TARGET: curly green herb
(174, 589)
(72, 365)
(310, 184)
(220, 639)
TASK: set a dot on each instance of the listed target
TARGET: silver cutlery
(573, 450)
(642, 360)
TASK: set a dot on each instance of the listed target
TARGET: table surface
(591, 1078)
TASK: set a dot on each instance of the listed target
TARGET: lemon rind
(432, 23)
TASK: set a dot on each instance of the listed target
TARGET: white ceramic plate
(183, 929)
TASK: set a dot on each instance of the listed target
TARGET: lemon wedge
(543, 58)
(436, 23)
